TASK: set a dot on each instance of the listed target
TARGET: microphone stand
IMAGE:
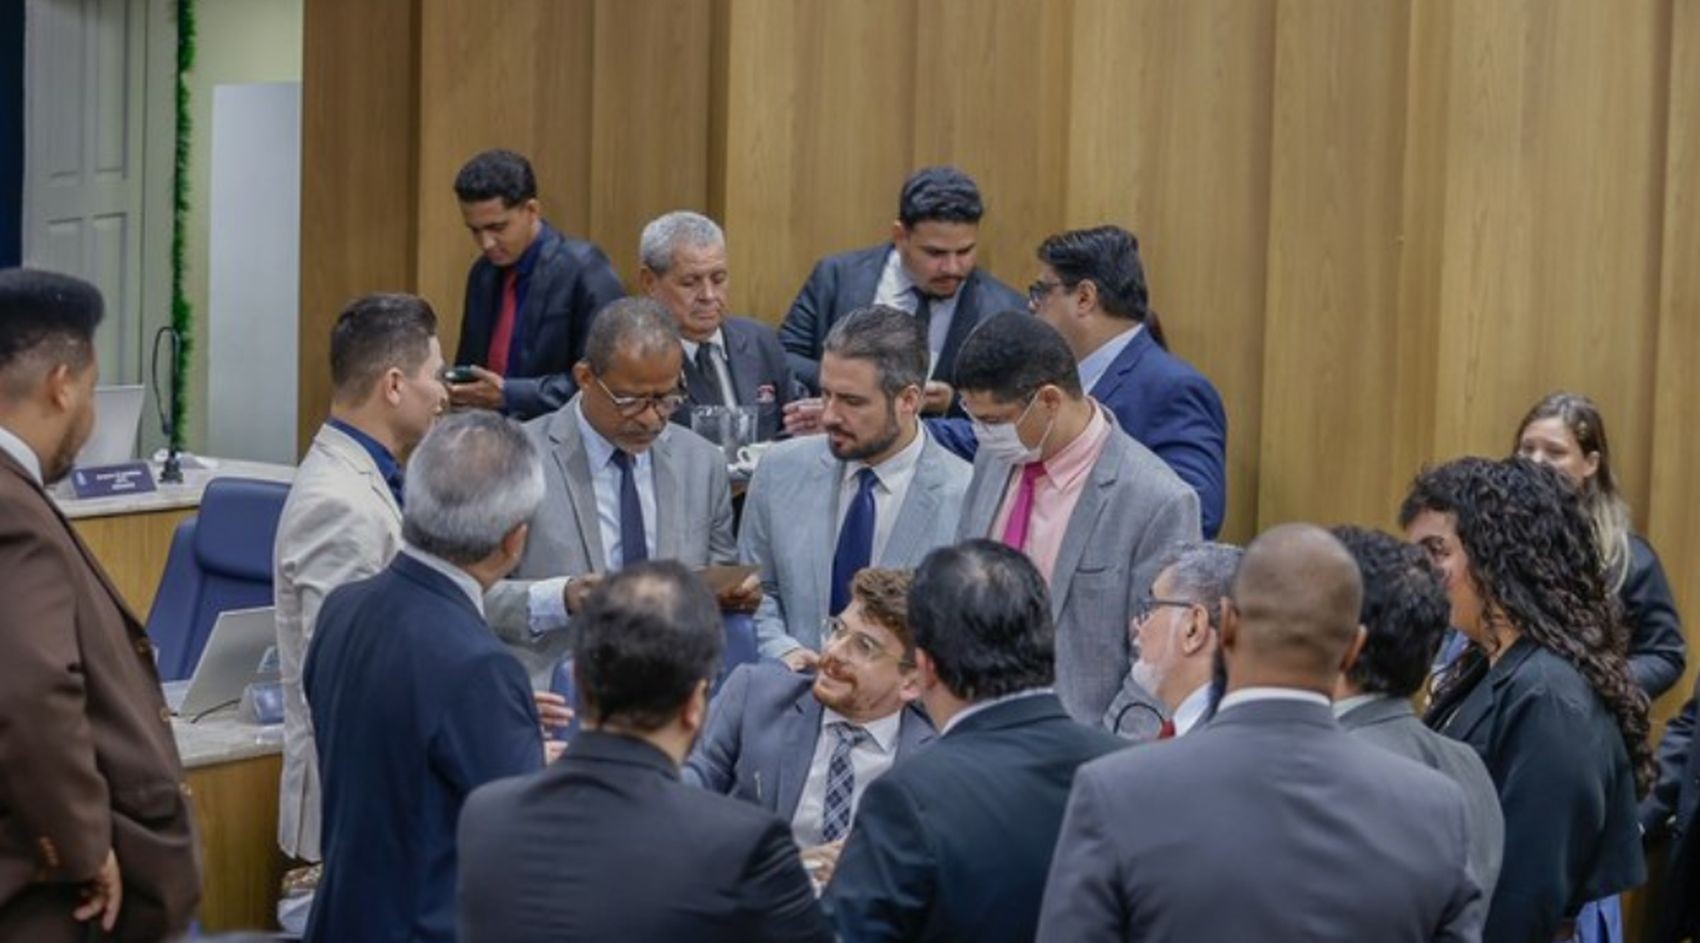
(172, 472)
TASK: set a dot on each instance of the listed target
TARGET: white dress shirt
(1346, 705)
(1247, 695)
(895, 474)
(897, 290)
(973, 709)
(717, 354)
(1092, 366)
(1192, 709)
(21, 453)
(460, 577)
(868, 760)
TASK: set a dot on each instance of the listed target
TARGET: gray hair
(891, 339)
(642, 323)
(1203, 573)
(473, 479)
(664, 234)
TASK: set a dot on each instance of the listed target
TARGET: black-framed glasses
(666, 404)
(1037, 291)
(1150, 604)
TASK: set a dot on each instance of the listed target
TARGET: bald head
(1296, 598)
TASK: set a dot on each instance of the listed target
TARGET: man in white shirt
(1176, 634)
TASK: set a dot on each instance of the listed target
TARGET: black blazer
(842, 283)
(607, 844)
(955, 842)
(1564, 781)
(571, 281)
(1669, 812)
(760, 376)
(1657, 652)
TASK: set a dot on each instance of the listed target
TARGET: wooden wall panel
(359, 94)
(1169, 134)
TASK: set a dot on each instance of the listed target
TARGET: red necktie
(502, 336)
(1166, 731)
(1015, 528)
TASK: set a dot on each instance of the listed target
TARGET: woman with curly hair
(1566, 431)
(1544, 692)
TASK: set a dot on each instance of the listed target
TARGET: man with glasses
(876, 490)
(623, 485)
(807, 746)
(1057, 479)
(1175, 632)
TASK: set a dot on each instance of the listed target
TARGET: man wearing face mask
(1175, 632)
(1057, 479)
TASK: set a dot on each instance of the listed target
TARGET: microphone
(172, 473)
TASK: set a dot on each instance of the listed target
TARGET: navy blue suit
(1167, 406)
(842, 283)
(954, 843)
(415, 703)
(1672, 812)
(569, 282)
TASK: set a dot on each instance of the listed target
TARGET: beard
(60, 463)
(1149, 677)
(857, 451)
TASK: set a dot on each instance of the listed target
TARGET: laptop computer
(242, 650)
(117, 424)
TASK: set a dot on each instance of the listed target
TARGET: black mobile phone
(459, 374)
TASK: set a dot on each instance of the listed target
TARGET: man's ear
(696, 707)
(647, 279)
(1353, 650)
(582, 375)
(1197, 633)
(899, 232)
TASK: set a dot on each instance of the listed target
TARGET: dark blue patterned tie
(855, 540)
(840, 781)
(634, 547)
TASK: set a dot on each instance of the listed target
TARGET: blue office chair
(740, 649)
(220, 559)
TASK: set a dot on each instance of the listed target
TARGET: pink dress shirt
(1055, 494)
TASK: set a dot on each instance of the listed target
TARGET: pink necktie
(1015, 529)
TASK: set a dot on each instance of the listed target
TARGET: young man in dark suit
(1668, 816)
(607, 844)
(954, 843)
(928, 269)
(530, 298)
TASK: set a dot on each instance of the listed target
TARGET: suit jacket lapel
(994, 481)
(823, 539)
(340, 447)
(1122, 366)
(797, 752)
(962, 323)
(669, 497)
(573, 466)
(741, 363)
(867, 273)
(1078, 535)
(916, 517)
(543, 275)
(912, 732)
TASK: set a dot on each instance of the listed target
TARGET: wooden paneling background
(1382, 227)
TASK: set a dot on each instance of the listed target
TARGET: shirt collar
(458, 576)
(388, 467)
(528, 258)
(717, 338)
(1077, 457)
(1192, 709)
(22, 453)
(976, 708)
(597, 450)
(1347, 705)
(1247, 695)
(1093, 366)
(883, 731)
(893, 469)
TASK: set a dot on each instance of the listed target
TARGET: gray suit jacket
(1133, 509)
(761, 735)
(1269, 823)
(790, 530)
(693, 524)
(1389, 722)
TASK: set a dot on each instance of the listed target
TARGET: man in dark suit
(1091, 288)
(954, 843)
(97, 819)
(1668, 815)
(529, 300)
(785, 740)
(729, 361)
(414, 702)
(1269, 822)
(928, 269)
(607, 844)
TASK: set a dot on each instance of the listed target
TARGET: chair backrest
(740, 645)
(221, 559)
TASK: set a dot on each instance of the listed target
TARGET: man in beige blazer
(96, 842)
(342, 520)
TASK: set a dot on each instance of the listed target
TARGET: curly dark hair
(1404, 612)
(1531, 553)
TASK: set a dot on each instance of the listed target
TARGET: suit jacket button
(143, 648)
(165, 714)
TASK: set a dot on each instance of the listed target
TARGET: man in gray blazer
(342, 519)
(1405, 613)
(1057, 479)
(875, 490)
(622, 485)
(1270, 822)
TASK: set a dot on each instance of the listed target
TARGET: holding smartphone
(458, 374)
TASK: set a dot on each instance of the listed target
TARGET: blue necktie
(634, 547)
(855, 540)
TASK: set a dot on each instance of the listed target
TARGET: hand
(102, 895)
(553, 750)
(552, 711)
(577, 590)
(744, 597)
(483, 393)
(936, 397)
(800, 659)
(821, 860)
(802, 416)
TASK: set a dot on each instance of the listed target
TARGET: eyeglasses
(861, 648)
(666, 404)
(1150, 604)
(1037, 291)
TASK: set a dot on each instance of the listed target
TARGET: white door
(85, 110)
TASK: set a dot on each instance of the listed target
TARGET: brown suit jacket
(87, 759)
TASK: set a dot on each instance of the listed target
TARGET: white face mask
(1003, 442)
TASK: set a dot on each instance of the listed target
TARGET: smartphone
(458, 375)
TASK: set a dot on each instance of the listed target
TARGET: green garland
(182, 315)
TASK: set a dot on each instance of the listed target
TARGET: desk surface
(221, 737)
(172, 497)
